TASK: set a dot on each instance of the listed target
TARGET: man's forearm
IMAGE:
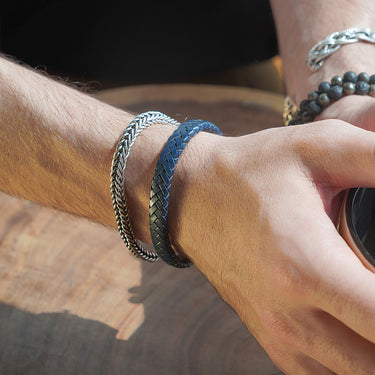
(301, 24)
(57, 146)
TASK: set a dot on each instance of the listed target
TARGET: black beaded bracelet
(328, 92)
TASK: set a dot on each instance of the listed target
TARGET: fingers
(309, 366)
(350, 297)
(323, 345)
(339, 348)
(342, 286)
(291, 362)
(304, 365)
(329, 275)
(338, 153)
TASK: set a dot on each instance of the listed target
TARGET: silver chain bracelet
(118, 179)
(333, 42)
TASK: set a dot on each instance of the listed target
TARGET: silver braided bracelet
(118, 179)
(333, 42)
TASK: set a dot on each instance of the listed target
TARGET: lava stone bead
(350, 77)
(372, 80)
(349, 88)
(307, 116)
(312, 95)
(324, 100)
(371, 90)
(364, 77)
(361, 88)
(324, 87)
(335, 93)
(314, 108)
(336, 81)
(304, 105)
(297, 115)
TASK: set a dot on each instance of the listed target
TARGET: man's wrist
(138, 176)
(302, 24)
(193, 175)
(357, 57)
(193, 171)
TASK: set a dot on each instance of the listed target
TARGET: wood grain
(74, 301)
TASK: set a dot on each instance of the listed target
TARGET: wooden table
(73, 301)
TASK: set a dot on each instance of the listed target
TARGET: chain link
(325, 48)
(118, 179)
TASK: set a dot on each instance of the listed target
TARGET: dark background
(140, 41)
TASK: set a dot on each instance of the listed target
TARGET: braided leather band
(333, 42)
(161, 186)
(118, 179)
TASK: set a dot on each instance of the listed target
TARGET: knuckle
(279, 327)
(310, 141)
(305, 146)
(289, 330)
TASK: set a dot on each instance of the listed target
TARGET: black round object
(362, 88)
(350, 77)
(313, 95)
(304, 105)
(315, 108)
(360, 217)
(335, 92)
(324, 87)
(364, 77)
(349, 88)
(324, 100)
(337, 80)
(307, 116)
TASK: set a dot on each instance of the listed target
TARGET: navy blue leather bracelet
(161, 186)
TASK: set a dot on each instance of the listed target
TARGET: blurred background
(120, 43)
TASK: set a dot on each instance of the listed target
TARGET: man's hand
(256, 215)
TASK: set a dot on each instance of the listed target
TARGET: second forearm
(302, 24)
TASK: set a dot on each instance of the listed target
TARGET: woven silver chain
(118, 179)
(325, 48)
